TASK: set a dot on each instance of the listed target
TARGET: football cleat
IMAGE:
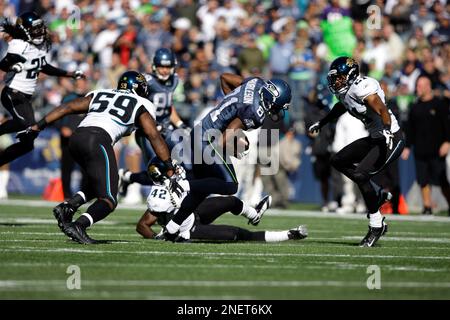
(63, 213)
(299, 233)
(123, 185)
(373, 235)
(78, 234)
(260, 208)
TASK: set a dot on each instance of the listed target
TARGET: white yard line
(18, 284)
(273, 212)
(331, 264)
(210, 254)
(414, 239)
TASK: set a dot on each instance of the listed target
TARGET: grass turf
(414, 260)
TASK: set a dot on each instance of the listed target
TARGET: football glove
(78, 74)
(389, 137)
(315, 128)
(18, 67)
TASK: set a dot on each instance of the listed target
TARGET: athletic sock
(248, 211)
(276, 236)
(77, 200)
(376, 220)
(85, 220)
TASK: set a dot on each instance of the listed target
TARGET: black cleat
(383, 196)
(299, 233)
(427, 211)
(373, 235)
(260, 208)
(78, 234)
(123, 185)
(63, 213)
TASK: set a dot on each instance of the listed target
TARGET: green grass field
(414, 260)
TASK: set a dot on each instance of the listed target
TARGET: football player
(364, 99)
(161, 85)
(198, 224)
(111, 114)
(244, 107)
(26, 57)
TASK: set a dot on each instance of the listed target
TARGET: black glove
(27, 134)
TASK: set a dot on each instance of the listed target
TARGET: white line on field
(209, 254)
(337, 264)
(17, 284)
(274, 212)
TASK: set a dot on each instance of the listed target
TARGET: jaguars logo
(350, 62)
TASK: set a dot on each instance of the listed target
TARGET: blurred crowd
(395, 41)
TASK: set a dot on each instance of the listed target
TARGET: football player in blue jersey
(161, 85)
(246, 104)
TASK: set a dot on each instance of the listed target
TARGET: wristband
(42, 124)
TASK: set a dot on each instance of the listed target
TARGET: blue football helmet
(164, 58)
(343, 72)
(32, 26)
(275, 97)
(135, 82)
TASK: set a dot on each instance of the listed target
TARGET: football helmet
(164, 58)
(343, 72)
(32, 26)
(135, 82)
(275, 97)
(156, 170)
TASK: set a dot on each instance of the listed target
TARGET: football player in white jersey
(197, 226)
(25, 58)
(364, 99)
(111, 114)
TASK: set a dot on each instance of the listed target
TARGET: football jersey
(353, 100)
(116, 111)
(243, 103)
(25, 81)
(159, 204)
(161, 96)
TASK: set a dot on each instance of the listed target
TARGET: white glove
(175, 190)
(389, 138)
(78, 75)
(180, 172)
(315, 128)
(18, 67)
(242, 154)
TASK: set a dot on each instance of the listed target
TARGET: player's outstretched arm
(148, 125)
(144, 225)
(12, 62)
(337, 111)
(229, 82)
(50, 70)
(79, 105)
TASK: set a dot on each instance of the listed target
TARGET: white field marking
(16, 284)
(272, 212)
(44, 221)
(388, 238)
(61, 234)
(340, 265)
(208, 254)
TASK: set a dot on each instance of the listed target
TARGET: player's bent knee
(111, 204)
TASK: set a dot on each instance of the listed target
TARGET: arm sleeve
(53, 71)
(9, 60)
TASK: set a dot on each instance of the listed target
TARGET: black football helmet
(275, 97)
(156, 170)
(135, 82)
(343, 71)
(32, 26)
(164, 58)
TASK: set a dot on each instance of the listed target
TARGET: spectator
(428, 132)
